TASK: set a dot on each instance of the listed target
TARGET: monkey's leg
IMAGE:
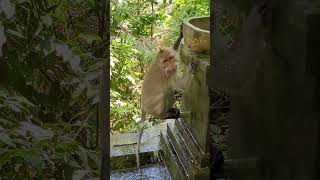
(173, 113)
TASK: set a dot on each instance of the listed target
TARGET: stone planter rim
(187, 23)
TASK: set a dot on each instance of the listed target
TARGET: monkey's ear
(161, 50)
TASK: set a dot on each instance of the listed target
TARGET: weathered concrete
(195, 100)
(275, 117)
(196, 34)
(185, 144)
(123, 147)
(182, 155)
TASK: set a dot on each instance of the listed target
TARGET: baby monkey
(160, 81)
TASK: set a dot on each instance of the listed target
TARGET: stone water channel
(123, 159)
(176, 149)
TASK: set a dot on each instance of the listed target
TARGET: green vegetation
(51, 54)
(138, 28)
(50, 60)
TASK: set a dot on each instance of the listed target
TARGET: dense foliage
(138, 29)
(50, 60)
(51, 54)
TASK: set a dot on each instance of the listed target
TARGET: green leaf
(215, 129)
(79, 174)
(17, 106)
(64, 51)
(89, 38)
(95, 100)
(15, 33)
(47, 20)
(67, 147)
(37, 132)
(7, 156)
(5, 121)
(6, 139)
(80, 88)
(23, 142)
(22, 100)
(3, 150)
(30, 156)
(216, 138)
(3, 38)
(14, 108)
(92, 92)
(40, 27)
(34, 159)
(3, 92)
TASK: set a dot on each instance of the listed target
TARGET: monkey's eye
(166, 60)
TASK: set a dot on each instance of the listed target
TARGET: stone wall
(276, 117)
(195, 99)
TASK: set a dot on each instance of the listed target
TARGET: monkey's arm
(181, 83)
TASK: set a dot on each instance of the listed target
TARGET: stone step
(182, 149)
(174, 162)
(129, 160)
(189, 140)
(183, 152)
(202, 159)
(171, 160)
(123, 147)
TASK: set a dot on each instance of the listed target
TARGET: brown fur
(158, 85)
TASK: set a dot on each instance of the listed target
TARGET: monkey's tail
(140, 130)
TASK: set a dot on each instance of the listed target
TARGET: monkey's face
(167, 61)
(169, 65)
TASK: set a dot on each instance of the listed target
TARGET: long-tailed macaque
(161, 79)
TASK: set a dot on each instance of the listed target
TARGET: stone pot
(196, 34)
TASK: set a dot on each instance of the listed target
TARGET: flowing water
(154, 172)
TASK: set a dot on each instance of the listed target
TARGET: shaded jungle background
(138, 29)
(51, 56)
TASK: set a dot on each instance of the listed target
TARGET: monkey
(160, 81)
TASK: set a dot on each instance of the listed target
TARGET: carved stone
(196, 34)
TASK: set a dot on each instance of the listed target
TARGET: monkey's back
(156, 96)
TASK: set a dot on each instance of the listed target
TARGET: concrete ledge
(123, 147)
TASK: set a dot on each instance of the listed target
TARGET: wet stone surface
(125, 144)
(123, 147)
(154, 172)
